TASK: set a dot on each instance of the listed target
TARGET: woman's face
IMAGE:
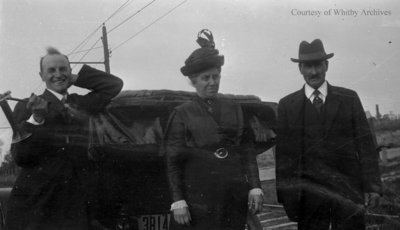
(207, 83)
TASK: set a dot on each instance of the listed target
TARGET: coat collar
(323, 90)
(57, 95)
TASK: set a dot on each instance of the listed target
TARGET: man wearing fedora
(327, 169)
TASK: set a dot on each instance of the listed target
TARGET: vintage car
(125, 141)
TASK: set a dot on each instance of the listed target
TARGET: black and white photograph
(199, 115)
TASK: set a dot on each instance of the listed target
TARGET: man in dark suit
(326, 163)
(51, 191)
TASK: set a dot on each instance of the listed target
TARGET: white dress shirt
(323, 90)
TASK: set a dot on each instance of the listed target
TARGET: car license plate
(154, 222)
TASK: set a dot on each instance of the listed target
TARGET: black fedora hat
(310, 52)
(205, 57)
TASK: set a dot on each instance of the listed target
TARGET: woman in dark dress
(211, 166)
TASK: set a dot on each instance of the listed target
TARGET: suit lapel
(331, 106)
(55, 104)
(296, 107)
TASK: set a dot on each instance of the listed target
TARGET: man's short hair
(51, 51)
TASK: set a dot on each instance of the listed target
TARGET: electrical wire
(83, 43)
(100, 60)
(124, 21)
(91, 48)
(86, 40)
(82, 51)
(152, 23)
(131, 16)
(118, 10)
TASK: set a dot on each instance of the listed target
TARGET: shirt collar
(323, 89)
(57, 95)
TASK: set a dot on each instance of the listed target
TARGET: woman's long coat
(215, 189)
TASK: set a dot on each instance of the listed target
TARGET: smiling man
(53, 189)
(327, 170)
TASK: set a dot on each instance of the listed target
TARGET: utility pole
(106, 51)
(378, 114)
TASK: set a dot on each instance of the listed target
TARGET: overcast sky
(257, 37)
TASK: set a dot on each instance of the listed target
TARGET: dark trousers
(91, 181)
(318, 213)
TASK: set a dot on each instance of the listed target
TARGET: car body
(125, 143)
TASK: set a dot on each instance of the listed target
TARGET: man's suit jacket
(49, 191)
(346, 163)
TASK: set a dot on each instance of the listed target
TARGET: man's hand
(255, 203)
(182, 215)
(73, 78)
(38, 106)
(371, 199)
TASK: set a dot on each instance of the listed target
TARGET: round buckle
(221, 153)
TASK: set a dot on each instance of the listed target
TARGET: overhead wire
(100, 60)
(124, 21)
(86, 40)
(82, 51)
(131, 16)
(119, 9)
(152, 23)
(87, 52)
(83, 43)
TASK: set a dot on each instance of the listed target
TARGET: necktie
(64, 98)
(65, 109)
(317, 102)
(66, 115)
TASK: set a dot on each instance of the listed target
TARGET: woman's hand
(255, 203)
(182, 216)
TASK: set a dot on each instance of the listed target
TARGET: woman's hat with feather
(205, 57)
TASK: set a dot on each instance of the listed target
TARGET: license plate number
(154, 222)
